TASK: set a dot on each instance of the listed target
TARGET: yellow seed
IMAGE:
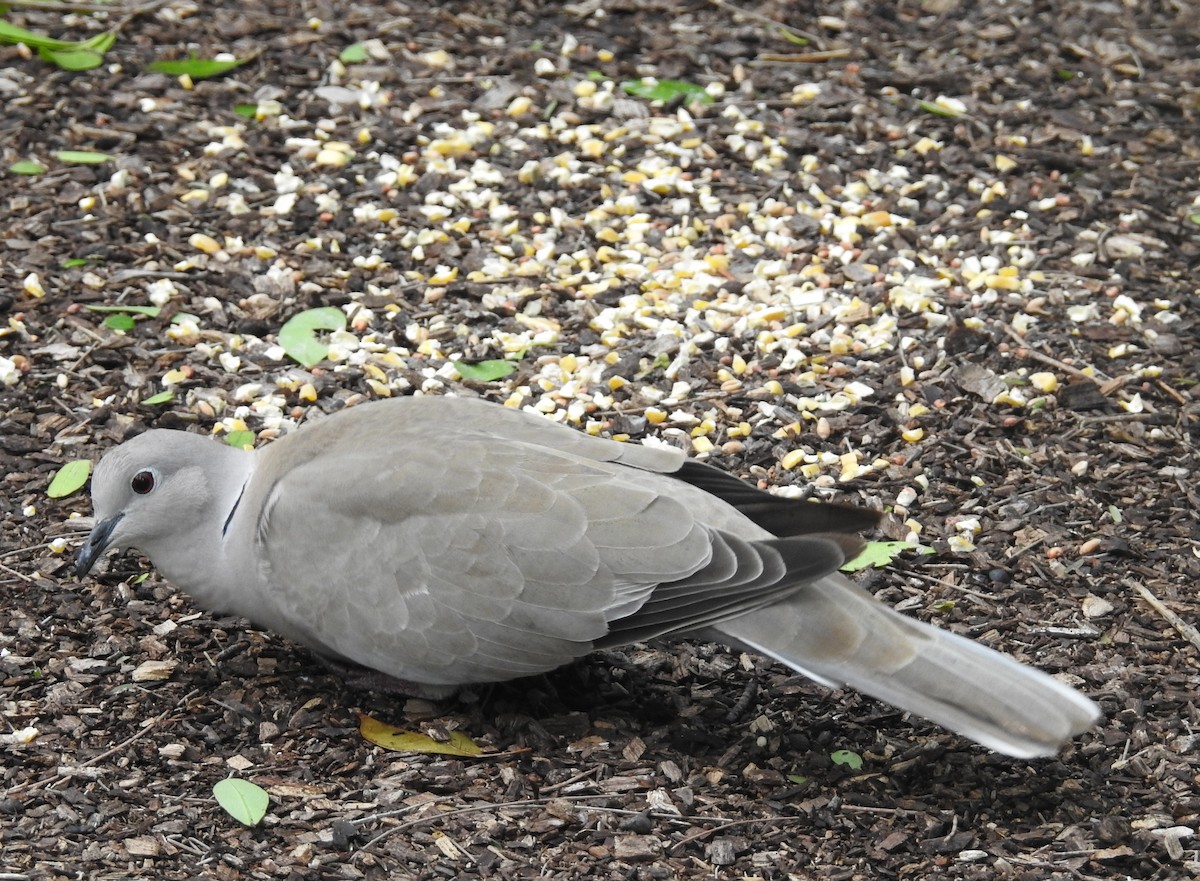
(206, 244)
(33, 285)
(702, 444)
(792, 458)
(1044, 382)
(437, 58)
(1002, 282)
(912, 435)
(616, 382)
(519, 105)
(379, 388)
(655, 416)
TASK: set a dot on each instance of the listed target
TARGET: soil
(956, 248)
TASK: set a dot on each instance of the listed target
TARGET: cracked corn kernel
(1044, 382)
(520, 105)
(33, 285)
(204, 243)
(792, 458)
(655, 416)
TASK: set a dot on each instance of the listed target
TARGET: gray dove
(443, 541)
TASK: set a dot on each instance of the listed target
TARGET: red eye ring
(142, 483)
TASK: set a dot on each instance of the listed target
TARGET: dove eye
(142, 482)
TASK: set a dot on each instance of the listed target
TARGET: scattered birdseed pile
(940, 259)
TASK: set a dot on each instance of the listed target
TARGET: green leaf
(299, 335)
(27, 166)
(160, 398)
(250, 111)
(596, 76)
(197, 68)
(70, 477)
(938, 109)
(1115, 513)
(1064, 74)
(246, 802)
(944, 606)
(797, 778)
(72, 59)
(81, 157)
(73, 262)
(100, 43)
(10, 33)
(845, 757)
(666, 90)
(355, 53)
(119, 321)
(484, 371)
(148, 311)
(240, 439)
(1194, 218)
(792, 38)
(877, 554)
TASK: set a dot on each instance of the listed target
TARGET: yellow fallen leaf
(398, 740)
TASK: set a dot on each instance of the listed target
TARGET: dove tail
(838, 634)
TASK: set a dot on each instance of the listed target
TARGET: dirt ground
(941, 258)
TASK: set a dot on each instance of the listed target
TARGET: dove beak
(95, 546)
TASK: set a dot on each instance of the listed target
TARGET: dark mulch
(658, 762)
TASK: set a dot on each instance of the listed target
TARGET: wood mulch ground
(956, 252)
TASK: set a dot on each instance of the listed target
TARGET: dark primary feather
(778, 515)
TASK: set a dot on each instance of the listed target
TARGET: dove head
(157, 491)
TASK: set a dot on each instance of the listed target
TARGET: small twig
(582, 775)
(1187, 631)
(767, 20)
(1033, 353)
(704, 833)
(1179, 399)
(66, 7)
(15, 574)
(818, 57)
(147, 727)
(474, 809)
(929, 579)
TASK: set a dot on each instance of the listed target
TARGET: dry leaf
(399, 740)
